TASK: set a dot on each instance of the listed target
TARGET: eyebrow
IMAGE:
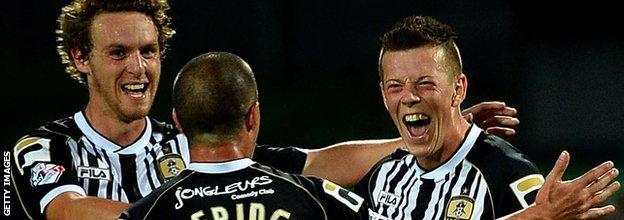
(152, 45)
(403, 81)
(116, 46)
(122, 46)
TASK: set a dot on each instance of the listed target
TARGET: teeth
(416, 117)
(135, 86)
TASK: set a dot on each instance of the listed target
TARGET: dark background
(560, 64)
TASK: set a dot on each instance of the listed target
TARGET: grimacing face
(124, 64)
(418, 93)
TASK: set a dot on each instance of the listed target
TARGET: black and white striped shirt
(484, 179)
(69, 155)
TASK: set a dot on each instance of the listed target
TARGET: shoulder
(52, 136)
(512, 177)
(336, 201)
(503, 165)
(289, 159)
(397, 155)
(168, 130)
(61, 128)
(492, 151)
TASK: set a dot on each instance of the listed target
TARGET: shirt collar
(221, 167)
(449, 166)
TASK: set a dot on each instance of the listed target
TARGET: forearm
(347, 162)
(72, 206)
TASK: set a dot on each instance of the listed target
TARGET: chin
(419, 148)
(135, 114)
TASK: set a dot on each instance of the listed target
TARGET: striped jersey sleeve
(43, 170)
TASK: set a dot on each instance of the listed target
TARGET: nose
(410, 96)
(135, 64)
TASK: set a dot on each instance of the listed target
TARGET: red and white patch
(44, 173)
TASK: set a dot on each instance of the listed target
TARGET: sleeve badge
(45, 173)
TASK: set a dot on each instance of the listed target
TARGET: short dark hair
(417, 31)
(75, 26)
(212, 95)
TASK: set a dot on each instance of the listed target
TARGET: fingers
(595, 173)
(560, 166)
(498, 108)
(602, 182)
(601, 196)
(486, 110)
(498, 120)
(597, 212)
(500, 131)
(508, 111)
(468, 117)
(489, 106)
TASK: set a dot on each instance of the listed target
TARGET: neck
(454, 135)
(121, 132)
(203, 151)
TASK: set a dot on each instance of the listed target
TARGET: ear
(176, 121)
(461, 86)
(252, 119)
(80, 60)
(383, 95)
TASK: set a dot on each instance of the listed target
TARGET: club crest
(459, 207)
(170, 165)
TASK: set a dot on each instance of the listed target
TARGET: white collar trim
(460, 155)
(221, 167)
(108, 145)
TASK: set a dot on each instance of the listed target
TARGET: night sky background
(560, 64)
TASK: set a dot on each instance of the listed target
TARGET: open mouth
(417, 124)
(135, 90)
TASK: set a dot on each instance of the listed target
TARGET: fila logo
(389, 199)
(94, 173)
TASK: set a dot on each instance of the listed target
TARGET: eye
(393, 87)
(149, 52)
(117, 54)
(426, 83)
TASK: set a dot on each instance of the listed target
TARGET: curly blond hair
(75, 24)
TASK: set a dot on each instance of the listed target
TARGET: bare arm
(71, 205)
(346, 163)
(573, 199)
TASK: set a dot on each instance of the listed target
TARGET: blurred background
(560, 64)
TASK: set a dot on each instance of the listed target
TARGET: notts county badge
(459, 207)
(170, 165)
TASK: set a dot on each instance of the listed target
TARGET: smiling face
(422, 96)
(124, 65)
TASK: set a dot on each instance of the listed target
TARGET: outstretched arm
(573, 199)
(71, 205)
(347, 162)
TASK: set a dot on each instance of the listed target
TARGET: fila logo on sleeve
(94, 173)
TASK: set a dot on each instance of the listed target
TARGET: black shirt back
(243, 189)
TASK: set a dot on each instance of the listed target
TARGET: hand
(495, 117)
(576, 199)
